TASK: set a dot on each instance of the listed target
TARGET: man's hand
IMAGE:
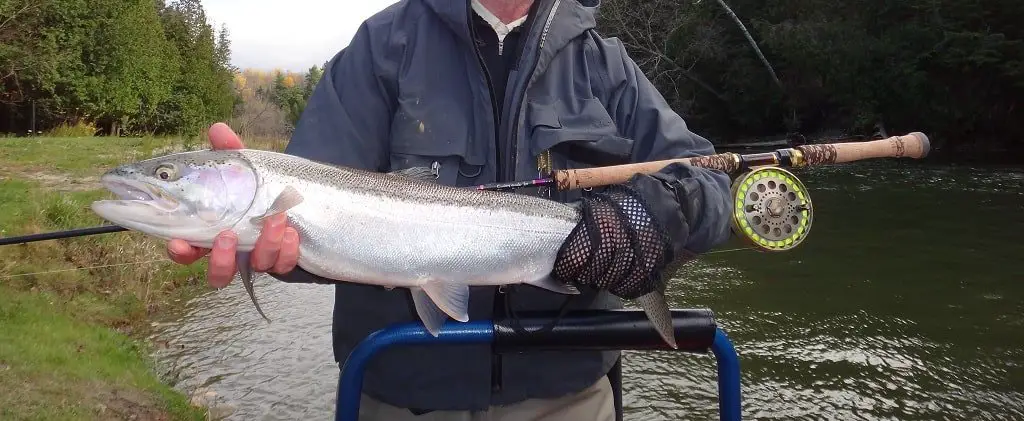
(617, 246)
(276, 250)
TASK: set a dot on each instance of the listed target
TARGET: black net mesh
(618, 246)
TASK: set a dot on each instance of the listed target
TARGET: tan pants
(594, 403)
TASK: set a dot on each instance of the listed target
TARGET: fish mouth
(136, 195)
(128, 190)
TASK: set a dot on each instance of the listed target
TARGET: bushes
(79, 129)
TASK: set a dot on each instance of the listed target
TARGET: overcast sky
(292, 34)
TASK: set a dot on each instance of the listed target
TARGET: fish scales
(418, 230)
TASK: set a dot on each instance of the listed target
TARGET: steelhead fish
(397, 229)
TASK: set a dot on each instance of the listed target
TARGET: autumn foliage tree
(271, 102)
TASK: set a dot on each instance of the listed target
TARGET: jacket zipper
(490, 96)
(529, 80)
(499, 173)
(503, 173)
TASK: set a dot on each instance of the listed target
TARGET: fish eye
(166, 172)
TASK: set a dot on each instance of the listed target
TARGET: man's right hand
(276, 250)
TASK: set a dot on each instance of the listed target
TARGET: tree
(312, 78)
(129, 65)
(132, 65)
(203, 90)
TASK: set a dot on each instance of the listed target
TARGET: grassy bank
(74, 312)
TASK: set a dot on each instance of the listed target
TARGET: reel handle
(914, 145)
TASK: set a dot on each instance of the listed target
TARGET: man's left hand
(618, 245)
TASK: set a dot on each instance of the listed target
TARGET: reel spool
(771, 209)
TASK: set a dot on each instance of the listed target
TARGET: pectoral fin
(289, 198)
(431, 316)
(657, 311)
(242, 260)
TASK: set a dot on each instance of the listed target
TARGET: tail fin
(656, 307)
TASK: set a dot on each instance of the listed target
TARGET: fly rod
(914, 145)
(775, 217)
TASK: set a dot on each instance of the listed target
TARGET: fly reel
(771, 209)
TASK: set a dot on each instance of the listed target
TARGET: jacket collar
(571, 19)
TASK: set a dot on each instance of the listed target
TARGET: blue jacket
(409, 90)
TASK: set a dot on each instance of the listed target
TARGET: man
(483, 91)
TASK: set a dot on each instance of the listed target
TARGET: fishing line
(83, 268)
(729, 250)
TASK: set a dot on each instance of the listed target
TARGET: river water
(906, 302)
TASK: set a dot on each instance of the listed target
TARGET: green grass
(73, 312)
(56, 367)
(80, 157)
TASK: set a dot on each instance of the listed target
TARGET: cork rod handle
(914, 145)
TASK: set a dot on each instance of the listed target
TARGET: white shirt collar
(500, 28)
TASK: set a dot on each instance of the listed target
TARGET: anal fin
(552, 285)
(242, 260)
(287, 199)
(430, 314)
(451, 297)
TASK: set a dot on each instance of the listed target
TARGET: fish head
(189, 195)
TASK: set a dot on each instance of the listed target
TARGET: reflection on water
(223, 350)
(905, 302)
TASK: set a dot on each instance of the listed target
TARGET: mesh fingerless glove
(618, 245)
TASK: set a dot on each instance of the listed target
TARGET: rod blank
(81, 232)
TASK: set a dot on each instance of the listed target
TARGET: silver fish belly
(399, 231)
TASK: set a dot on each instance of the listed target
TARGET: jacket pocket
(444, 146)
(579, 133)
